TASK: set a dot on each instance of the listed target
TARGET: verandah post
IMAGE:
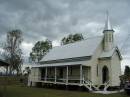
(81, 74)
(46, 74)
(55, 74)
(67, 75)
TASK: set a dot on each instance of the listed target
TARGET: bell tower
(108, 40)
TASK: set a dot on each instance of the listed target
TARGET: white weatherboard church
(91, 63)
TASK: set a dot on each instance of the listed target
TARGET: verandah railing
(70, 79)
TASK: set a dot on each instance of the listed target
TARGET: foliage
(127, 72)
(13, 53)
(40, 49)
(71, 38)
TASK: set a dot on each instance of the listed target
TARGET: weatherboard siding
(116, 69)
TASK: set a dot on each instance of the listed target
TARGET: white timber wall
(34, 76)
(93, 63)
(116, 69)
(107, 63)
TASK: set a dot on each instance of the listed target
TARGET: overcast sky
(54, 19)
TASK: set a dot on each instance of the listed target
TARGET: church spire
(108, 35)
(108, 25)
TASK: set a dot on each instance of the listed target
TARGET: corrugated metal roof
(78, 49)
(110, 53)
(105, 54)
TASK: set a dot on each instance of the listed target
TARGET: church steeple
(108, 42)
(108, 25)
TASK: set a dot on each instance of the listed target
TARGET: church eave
(120, 56)
(109, 57)
(105, 58)
(108, 30)
(67, 60)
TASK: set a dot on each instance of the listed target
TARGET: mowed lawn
(19, 91)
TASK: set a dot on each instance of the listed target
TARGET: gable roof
(73, 50)
(106, 54)
(110, 53)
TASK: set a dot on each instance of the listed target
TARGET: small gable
(110, 53)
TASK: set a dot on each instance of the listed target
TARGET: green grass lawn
(19, 91)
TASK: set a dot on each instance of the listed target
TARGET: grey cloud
(53, 19)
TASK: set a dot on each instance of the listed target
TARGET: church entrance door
(105, 74)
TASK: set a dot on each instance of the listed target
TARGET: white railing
(53, 79)
(88, 84)
(106, 85)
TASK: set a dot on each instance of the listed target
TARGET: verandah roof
(84, 63)
(3, 63)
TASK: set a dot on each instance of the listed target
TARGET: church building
(90, 63)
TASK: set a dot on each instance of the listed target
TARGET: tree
(40, 49)
(71, 39)
(127, 72)
(13, 53)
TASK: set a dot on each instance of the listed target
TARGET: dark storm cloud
(53, 19)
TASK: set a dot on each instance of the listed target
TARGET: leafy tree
(71, 39)
(13, 53)
(40, 49)
(127, 72)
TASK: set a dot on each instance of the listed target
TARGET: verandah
(75, 74)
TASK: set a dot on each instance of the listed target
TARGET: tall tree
(71, 38)
(127, 72)
(13, 53)
(40, 49)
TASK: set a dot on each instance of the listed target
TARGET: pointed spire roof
(108, 25)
